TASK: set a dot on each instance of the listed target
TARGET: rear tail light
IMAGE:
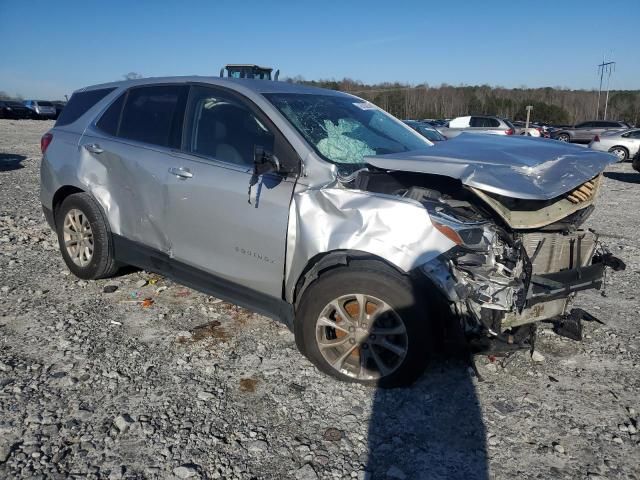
(509, 132)
(596, 138)
(45, 141)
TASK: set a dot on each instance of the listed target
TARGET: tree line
(550, 105)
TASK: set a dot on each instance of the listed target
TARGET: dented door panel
(128, 180)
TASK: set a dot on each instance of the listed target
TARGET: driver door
(223, 219)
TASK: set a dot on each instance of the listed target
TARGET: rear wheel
(564, 137)
(620, 152)
(84, 238)
(364, 323)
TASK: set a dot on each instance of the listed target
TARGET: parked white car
(624, 144)
(478, 124)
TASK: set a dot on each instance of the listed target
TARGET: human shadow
(11, 161)
(628, 177)
(432, 429)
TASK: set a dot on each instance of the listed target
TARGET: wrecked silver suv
(319, 209)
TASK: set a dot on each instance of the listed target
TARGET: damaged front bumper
(531, 277)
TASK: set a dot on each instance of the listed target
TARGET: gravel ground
(97, 385)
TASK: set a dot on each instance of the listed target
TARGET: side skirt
(141, 256)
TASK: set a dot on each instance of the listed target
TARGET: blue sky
(49, 48)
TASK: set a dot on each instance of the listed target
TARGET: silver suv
(42, 109)
(317, 208)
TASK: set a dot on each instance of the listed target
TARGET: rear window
(79, 104)
(42, 103)
(154, 114)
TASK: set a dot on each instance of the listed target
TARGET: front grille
(554, 252)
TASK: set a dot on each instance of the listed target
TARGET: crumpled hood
(518, 167)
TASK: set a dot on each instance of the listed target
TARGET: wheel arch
(325, 261)
(60, 195)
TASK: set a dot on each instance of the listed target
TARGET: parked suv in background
(478, 124)
(41, 109)
(585, 131)
(319, 209)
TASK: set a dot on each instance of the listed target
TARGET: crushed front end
(500, 278)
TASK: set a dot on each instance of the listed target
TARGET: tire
(376, 286)
(564, 137)
(621, 152)
(81, 214)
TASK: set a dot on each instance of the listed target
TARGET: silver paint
(312, 215)
(513, 166)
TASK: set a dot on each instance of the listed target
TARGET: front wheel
(365, 323)
(564, 137)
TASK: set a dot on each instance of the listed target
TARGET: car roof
(254, 85)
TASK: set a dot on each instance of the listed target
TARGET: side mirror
(264, 161)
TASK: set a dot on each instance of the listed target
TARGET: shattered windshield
(345, 129)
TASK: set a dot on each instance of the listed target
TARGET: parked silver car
(484, 124)
(585, 131)
(42, 109)
(317, 208)
(624, 144)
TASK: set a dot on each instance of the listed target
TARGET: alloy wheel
(619, 152)
(361, 336)
(78, 237)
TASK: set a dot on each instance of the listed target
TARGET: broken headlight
(472, 235)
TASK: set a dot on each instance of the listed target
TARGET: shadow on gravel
(11, 161)
(628, 177)
(432, 430)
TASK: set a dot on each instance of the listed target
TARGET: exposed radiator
(553, 252)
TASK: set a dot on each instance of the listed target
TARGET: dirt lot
(95, 384)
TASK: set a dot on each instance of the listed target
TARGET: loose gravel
(97, 383)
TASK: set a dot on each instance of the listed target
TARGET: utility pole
(604, 67)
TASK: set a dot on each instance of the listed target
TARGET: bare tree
(132, 76)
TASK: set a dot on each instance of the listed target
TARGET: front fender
(394, 229)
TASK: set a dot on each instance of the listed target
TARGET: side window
(154, 114)
(634, 134)
(110, 119)
(80, 103)
(220, 126)
(483, 122)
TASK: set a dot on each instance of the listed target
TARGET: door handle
(93, 148)
(181, 172)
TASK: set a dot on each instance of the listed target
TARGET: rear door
(222, 219)
(584, 131)
(132, 144)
